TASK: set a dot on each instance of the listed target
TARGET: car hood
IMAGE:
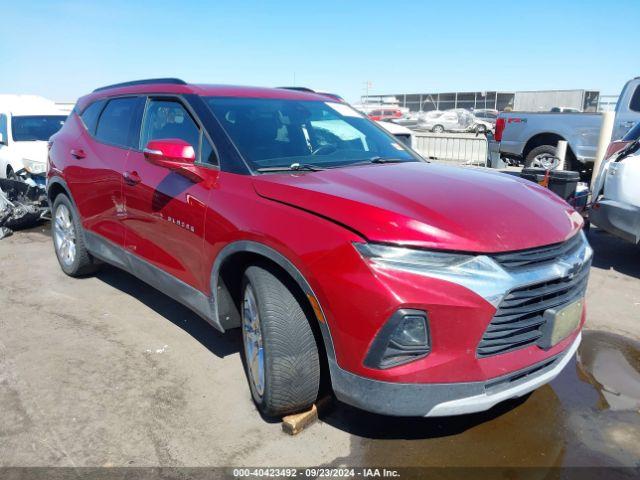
(35, 150)
(429, 205)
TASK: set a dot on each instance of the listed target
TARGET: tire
(546, 150)
(81, 262)
(290, 359)
(437, 129)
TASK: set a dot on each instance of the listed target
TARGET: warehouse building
(539, 100)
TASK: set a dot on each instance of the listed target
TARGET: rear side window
(635, 100)
(115, 125)
(90, 116)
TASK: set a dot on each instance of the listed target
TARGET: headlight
(426, 261)
(34, 167)
(478, 273)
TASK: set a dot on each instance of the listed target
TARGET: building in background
(537, 101)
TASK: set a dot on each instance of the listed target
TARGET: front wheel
(281, 355)
(438, 129)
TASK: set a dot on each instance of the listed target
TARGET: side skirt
(190, 297)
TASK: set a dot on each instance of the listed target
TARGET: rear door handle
(78, 153)
(131, 178)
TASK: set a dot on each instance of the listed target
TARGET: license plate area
(559, 323)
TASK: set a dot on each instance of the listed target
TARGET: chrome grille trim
(518, 320)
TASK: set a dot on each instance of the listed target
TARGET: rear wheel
(281, 355)
(438, 129)
(68, 241)
(545, 157)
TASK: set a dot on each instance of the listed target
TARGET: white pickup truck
(26, 123)
(531, 137)
(616, 193)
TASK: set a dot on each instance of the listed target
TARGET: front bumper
(443, 399)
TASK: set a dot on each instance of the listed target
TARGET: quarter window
(207, 153)
(116, 122)
(90, 116)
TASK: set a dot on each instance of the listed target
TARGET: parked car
(26, 123)
(616, 206)
(385, 114)
(627, 109)
(456, 120)
(438, 121)
(342, 257)
(531, 138)
(487, 115)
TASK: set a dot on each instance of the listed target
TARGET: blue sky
(64, 49)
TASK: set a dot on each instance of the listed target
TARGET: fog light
(412, 332)
(404, 338)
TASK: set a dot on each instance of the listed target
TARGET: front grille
(540, 255)
(518, 320)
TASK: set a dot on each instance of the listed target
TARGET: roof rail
(298, 89)
(173, 81)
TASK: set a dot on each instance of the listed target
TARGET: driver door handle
(131, 178)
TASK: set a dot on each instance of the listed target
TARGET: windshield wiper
(385, 160)
(376, 160)
(293, 167)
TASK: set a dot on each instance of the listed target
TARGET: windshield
(280, 133)
(35, 127)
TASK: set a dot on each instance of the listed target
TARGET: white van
(26, 123)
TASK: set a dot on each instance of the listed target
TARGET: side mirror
(171, 153)
(174, 154)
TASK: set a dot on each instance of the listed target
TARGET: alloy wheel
(64, 235)
(252, 339)
(546, 161)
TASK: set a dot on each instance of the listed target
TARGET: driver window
(166, 119)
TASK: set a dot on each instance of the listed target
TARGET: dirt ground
(106, 371)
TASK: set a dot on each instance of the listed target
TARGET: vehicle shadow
(373, 426)
(613, 253)
(216, 342)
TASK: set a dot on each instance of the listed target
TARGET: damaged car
(26, 124)
(348, 262)
(21, 206)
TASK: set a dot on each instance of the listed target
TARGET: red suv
(408, 288)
